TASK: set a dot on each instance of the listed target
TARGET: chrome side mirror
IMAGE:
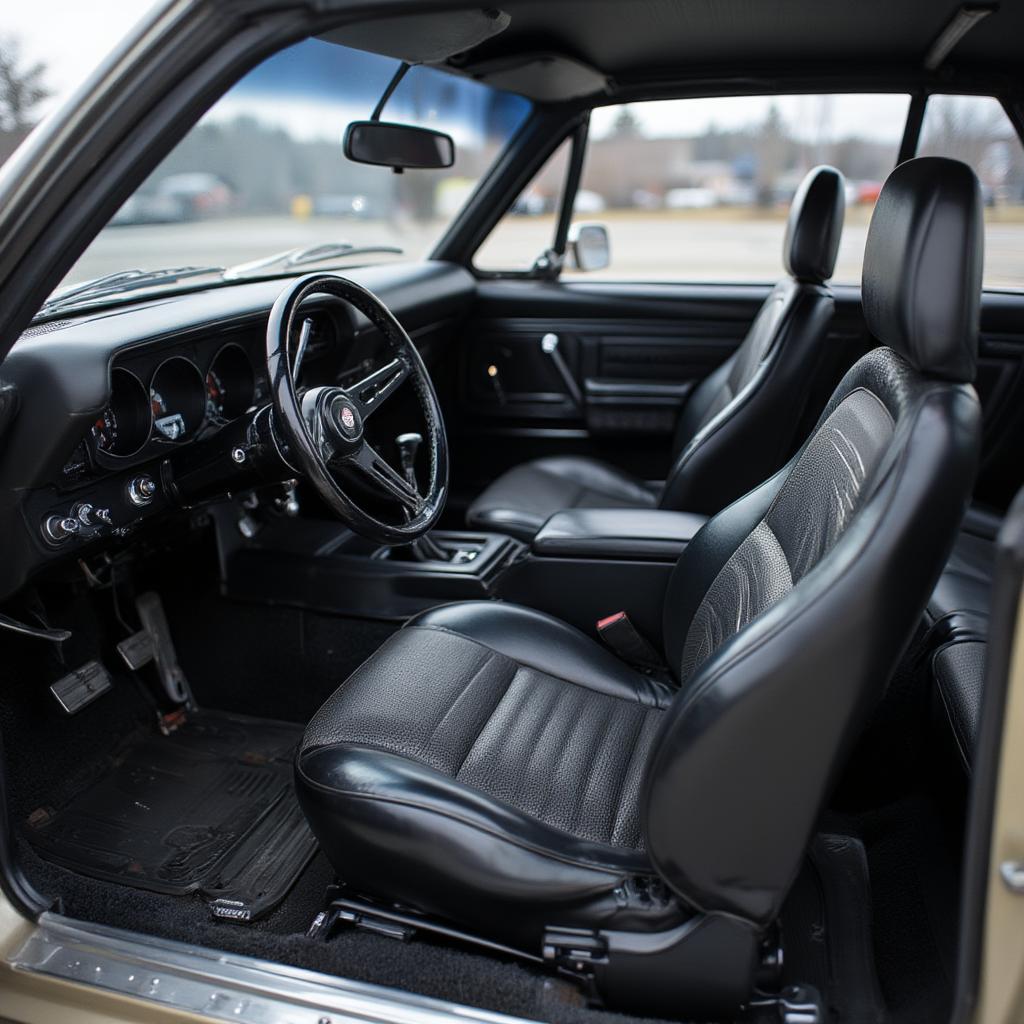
(589, 247)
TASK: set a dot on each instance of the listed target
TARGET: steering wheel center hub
(344, 419)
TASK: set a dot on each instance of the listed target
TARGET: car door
(693, 196)
(693, 199)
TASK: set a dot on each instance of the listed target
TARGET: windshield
(263, 172)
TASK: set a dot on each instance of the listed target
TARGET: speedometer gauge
(122, 427)
(177, 399)
(230, 384)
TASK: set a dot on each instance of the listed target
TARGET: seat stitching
(634, 746)
(550, 718)
(569, 724)
(487, 721)
(583, 793)
(635, 683)
(488, 657)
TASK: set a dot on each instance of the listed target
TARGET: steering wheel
(323, 427)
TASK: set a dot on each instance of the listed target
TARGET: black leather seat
(958, 617)
(739, 424)
(496, 769)
(965, 586)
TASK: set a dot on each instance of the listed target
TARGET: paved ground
(697, 246)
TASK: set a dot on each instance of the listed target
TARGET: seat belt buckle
(619, 634)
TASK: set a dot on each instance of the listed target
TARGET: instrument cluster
(176, 403)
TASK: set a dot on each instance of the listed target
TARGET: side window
(699, 189)
(976, 129)
(528, 229)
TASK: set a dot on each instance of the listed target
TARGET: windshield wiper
(122, 281)
(304, 255)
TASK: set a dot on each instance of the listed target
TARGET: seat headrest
(921, 285)
(814, 226)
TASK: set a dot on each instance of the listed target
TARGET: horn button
(343, 420)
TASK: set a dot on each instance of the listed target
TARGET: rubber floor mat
(210, 808)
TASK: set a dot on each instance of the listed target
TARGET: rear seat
(957, 616)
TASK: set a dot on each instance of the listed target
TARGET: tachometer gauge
(177, 399)
(216, 394)
(230, 384)
(122, 427)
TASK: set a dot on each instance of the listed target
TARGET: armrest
(617, 533)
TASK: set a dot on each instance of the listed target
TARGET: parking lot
(729, 245)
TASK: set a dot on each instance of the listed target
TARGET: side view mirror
(399, 146)
(589, 246)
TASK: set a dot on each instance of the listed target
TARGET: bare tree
(22, 88)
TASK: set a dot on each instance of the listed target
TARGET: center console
(323, 566)
(586, 564)
(583, 565)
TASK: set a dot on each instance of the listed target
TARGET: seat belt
(623, 638)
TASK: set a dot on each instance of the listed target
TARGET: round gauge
(122, 428)
(177, 399)
(230, 384)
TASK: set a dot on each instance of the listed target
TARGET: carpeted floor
(282, 663)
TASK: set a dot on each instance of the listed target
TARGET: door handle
(549, 346)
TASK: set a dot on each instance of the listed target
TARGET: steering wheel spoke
(375, 388)
(380, 472)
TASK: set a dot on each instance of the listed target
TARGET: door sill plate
(222, 986)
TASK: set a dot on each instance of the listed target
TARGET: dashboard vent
(46, 328)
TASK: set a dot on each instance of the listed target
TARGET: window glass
(975, 129)
(699, 189)
(528, 229)
(264, 170)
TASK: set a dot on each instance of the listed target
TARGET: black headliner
(637, 41)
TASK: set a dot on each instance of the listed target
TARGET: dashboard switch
(141, 490)
(57, 529)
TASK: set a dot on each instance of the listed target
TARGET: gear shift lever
(424, 549)
(408, 446)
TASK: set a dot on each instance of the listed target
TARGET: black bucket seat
(498, 770)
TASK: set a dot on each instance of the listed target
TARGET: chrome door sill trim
(222, 986)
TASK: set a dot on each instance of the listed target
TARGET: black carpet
(281, 664)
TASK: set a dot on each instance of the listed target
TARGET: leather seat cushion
(521, 500)
(491, 751)
(966, 582)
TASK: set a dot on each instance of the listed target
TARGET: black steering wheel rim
(331, 419)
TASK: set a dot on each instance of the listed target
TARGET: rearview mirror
(398, 145)
(589, 246)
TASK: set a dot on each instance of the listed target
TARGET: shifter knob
(408, 446)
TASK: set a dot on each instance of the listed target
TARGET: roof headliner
(638, 41)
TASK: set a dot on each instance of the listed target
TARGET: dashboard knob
(59, 528)
(83, 511)
(141, 490)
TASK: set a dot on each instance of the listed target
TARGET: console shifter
(408, 446)
(425, 549)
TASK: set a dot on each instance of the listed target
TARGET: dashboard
(111, 402)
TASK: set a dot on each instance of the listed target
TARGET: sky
(70, 36)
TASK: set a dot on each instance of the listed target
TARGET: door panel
(635, 352)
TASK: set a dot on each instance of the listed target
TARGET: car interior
(555, 645)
